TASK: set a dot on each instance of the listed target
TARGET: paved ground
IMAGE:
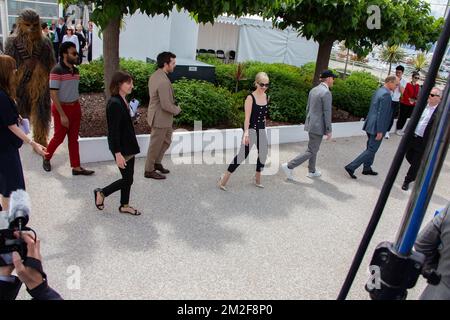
(194, 241)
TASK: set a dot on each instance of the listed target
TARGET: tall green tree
(362, 24)
(108, 14)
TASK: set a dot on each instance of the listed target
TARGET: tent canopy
(256, 39)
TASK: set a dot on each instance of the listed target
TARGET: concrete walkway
(194, 241)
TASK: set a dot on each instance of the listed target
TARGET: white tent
(255, 39)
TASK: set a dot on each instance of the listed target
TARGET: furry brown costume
(35, 58)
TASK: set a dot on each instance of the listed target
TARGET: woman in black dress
(256, 110)
(11, 136)
(122, 142)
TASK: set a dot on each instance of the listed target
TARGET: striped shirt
(66, 81)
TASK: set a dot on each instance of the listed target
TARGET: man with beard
(66, 109)
(34, 56)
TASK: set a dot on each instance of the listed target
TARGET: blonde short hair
(260, 77)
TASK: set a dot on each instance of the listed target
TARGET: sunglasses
(262, 85)
(434, 95)
(417, 78)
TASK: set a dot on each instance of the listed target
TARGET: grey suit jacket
(162, 105)
(434, 242)
(318, 119)
(380, 112)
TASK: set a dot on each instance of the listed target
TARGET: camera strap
(36, 265)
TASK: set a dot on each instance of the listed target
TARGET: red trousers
(73, 112)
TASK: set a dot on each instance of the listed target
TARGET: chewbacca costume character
(35, 58)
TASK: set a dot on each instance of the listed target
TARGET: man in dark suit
(89, 40)
(61, 30)
(416, 146)
(376, 125)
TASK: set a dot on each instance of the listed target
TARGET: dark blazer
(121, 135)
(61, 32)
(380, 112)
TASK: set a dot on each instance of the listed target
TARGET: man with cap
(376, 125)
(317, 124)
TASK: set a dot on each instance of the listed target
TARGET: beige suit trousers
(160, 140)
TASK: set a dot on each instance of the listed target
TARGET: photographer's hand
(31, 277)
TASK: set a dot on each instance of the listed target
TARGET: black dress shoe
(154, 175)
(405, 186)
(82, 172)
(350, 172)
(161, 169)
(46, 165)
(370, 172)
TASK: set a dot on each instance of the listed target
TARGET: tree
(108, 14)
(392, 54)
(356, 22)
(420, 61)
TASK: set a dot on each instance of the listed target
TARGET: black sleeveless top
(258, 115)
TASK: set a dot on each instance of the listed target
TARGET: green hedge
(92, 80)
(219, 105)
(202, 101)
(355, 92)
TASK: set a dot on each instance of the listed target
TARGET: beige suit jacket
(162, 105)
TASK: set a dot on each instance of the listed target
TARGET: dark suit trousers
(124, 184)
(368, 156)
(395, 105)
(414, 156)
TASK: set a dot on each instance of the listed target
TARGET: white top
(396, 95)
(73, 39)
(424, 119)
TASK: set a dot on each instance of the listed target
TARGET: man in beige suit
(161, 110)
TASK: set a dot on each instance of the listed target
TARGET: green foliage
(355, 93)
(288, 104)
(91, 77)
(209, 59)
(202, 101)
(141, 72)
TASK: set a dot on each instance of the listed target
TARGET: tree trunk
(390, 67)
(323, 58)
(346, 63)
(111, 52)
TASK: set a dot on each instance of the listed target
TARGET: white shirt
(396, 95)
(424, 119)
(73, 39)
(325, 85)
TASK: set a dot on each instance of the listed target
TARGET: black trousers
(405, 113)
(395, 108)
(258, 137)
(414, 156)
(56, 50)
(124, 184)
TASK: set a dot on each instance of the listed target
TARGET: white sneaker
(399, 132)
(287, 171)
(387, 136)
(314, 174)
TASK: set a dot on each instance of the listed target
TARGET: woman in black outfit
(122, 142)
(256, 109)
(11, 136)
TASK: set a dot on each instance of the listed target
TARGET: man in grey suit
(376, 125)
(434, 242)
(317, 124)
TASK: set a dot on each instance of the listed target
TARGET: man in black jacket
(416, 147)
(29, 271)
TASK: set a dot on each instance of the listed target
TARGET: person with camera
(434, 242)
(29, 271)
(11, 135)
(122, 142)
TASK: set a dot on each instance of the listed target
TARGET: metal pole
(397, 162)
(435, 152)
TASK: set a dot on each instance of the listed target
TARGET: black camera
(15, 220)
